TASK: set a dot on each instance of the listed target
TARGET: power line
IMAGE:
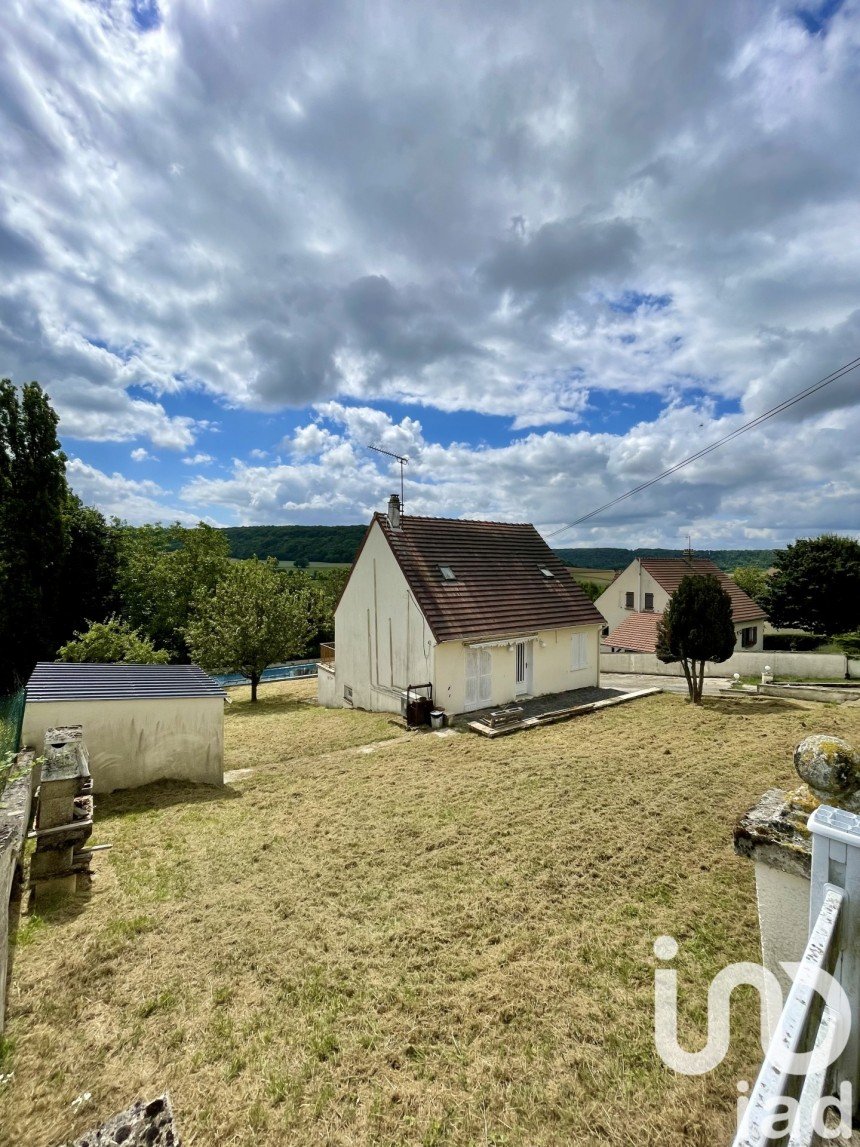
(774, 410)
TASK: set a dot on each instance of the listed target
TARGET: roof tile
(92, 681)
(636, 633)
(668, 572)
(498, 588)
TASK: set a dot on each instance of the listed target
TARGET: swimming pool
(273, 673)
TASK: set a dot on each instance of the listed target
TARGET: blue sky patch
(146, 14)
(816, 17)
(629, 301)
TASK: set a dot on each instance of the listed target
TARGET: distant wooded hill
(339, 544)
(296, 543)
(617, 559)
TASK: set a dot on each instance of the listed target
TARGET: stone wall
(16, 801)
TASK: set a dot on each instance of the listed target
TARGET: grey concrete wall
(132, 743)
(747, 664)
(14, 821)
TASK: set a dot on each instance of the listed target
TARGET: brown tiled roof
(499, 588)
(668, 572)
(637, 632)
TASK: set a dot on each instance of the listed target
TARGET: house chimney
(394, 512)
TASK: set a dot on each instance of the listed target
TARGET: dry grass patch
(444, 941)
(286, 723)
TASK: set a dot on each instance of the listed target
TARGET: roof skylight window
(546, 572)
(447, 573)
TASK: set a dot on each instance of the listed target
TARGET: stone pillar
(775, 836)
(64, 817)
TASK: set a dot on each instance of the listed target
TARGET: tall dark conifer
(33, 495)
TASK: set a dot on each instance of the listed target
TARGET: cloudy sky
(544, 249)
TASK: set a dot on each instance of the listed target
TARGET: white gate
(479, 678)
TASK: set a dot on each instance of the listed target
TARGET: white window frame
(579, 644)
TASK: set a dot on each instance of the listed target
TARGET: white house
(484, 612)
(634, 604)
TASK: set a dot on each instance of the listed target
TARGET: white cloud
(140, 454)
(199, 460)
(514, 212)
(125, 498)
(754, 492)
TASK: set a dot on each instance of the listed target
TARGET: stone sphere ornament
(831, 768)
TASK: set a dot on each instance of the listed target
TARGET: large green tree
(57, 556)
(696, 627)
(162, 569)
(88, 587)
(816, 585)
(112, 641)
(752, 580)
(33, 495)
(254, 618)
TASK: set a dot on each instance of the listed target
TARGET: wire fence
(11, 721)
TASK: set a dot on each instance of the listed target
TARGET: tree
(816, 585)
(323, 589)
(33, 495)
(753, 581)
(253, 619)
(696, 627)
(112, 641)
(162, 570)
(88, 586)
(591, 589)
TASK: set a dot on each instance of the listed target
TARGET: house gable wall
(633, 580)
(382, 640)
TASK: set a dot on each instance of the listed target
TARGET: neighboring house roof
(498, 587)
(89, 681)
(668, 572)
(636, 633)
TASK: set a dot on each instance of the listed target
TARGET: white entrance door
(479, 678)
(523, 675)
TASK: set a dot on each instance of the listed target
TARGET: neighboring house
(634, 604)
(483, 611)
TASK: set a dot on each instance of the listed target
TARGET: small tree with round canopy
(696, 627)
(252, 619)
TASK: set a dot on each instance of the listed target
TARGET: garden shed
(141, 723)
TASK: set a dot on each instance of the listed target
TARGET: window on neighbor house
(447, 573)
(749, 636)
(629, 599)
(579, 651)
(347, 694)
(649, 601)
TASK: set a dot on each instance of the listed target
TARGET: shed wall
(132, 743)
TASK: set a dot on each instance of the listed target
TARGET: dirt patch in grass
(444, 941)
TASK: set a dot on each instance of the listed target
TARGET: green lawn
(379, 938)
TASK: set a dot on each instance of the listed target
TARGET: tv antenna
(399, 458)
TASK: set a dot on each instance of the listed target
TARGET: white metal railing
(814, 1049)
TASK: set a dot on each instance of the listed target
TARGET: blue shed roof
(89, 681)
